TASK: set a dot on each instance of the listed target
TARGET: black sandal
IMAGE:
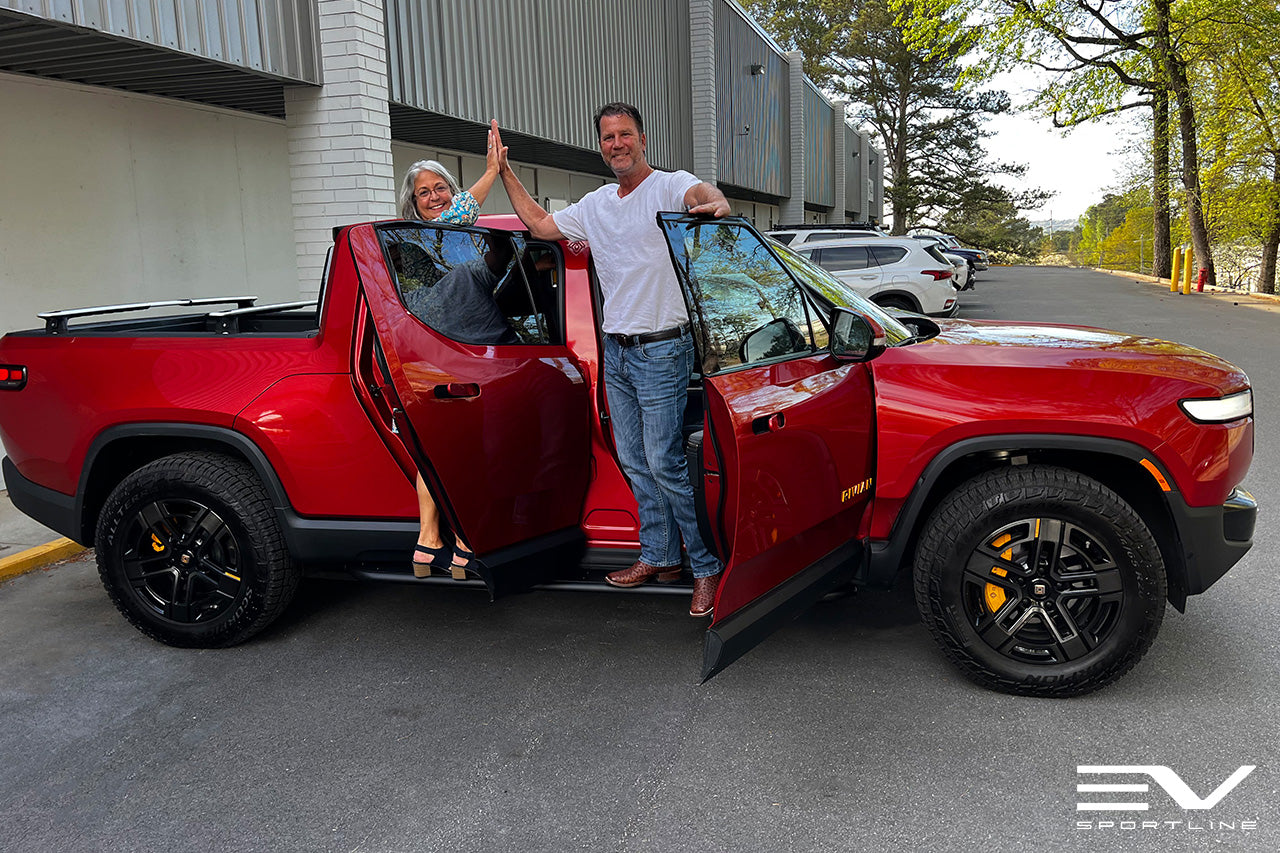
(461, 570)
(437, 558)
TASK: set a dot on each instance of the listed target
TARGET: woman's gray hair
(408, 209)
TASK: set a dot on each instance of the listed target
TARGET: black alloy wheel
(1040, 581)
(1042, 590)
(190, 551)
(182, 561)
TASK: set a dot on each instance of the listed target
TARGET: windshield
(829, 291)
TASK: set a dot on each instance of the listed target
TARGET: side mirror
(779, 336)
(855, 337)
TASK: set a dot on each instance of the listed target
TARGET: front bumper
(1214, 538)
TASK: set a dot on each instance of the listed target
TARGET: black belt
(650, 337)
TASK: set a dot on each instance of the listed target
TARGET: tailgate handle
(769, 423)
(457, 390)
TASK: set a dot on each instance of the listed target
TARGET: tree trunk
(902, 189)
(1267, 274)
(1161, 244)
(1176, 75)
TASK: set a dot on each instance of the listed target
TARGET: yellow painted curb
(34, 558)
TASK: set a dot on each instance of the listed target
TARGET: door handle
(457, 390)
(768, 423)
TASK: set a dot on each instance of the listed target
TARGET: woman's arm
(480, 189)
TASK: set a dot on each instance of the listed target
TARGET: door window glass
(885, 255)
(841, 258)
(745, 306)
(476, 286)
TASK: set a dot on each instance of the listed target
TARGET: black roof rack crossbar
(55, 322)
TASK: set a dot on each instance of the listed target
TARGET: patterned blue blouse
(463, 210)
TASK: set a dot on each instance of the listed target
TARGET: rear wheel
(1039, 581)
(901, 302)
(190, 551)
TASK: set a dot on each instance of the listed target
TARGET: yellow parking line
(34, 558)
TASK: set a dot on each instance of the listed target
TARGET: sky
(1079, 165)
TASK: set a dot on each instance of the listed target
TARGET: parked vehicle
(214, 457)
(976, 257)
(797, 235)
(894, 272)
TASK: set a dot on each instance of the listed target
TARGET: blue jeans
(647, 386)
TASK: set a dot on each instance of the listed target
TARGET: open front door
(491, 404)
(790, 429)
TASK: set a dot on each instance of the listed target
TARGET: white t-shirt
(641, 292)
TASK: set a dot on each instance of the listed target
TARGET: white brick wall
(702, 44)
(793, 205)
(340, 135)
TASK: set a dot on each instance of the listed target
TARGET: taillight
(938, 275)
(12, 377)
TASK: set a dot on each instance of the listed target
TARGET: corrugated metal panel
(819, 172)
(542, 69)
(276, 37)
(754, 151)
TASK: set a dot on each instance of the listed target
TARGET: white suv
(894, 272)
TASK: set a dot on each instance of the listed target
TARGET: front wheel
(190, 551)
(1039, 581)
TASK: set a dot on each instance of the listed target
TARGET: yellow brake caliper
(994, 594)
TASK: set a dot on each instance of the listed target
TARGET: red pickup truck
(1050, 487)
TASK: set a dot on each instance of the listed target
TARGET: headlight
(1219, 410)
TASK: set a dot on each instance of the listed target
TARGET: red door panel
(796, 439)
(505, 428)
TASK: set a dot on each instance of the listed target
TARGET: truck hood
(1053, 346)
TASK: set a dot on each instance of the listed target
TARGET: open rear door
(485, 394)
(789, 430)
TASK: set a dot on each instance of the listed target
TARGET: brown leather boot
(704, 595)
(639, 572)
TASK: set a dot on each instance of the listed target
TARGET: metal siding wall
(759, 158)
(273, 36)
(818, 170)
(544, 68)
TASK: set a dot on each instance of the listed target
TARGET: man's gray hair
(408, 209)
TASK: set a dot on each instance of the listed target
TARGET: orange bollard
(1177, 270)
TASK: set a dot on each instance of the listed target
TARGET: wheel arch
(121, 449)
(895, 294)
(1115, 463)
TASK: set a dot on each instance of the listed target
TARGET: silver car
(894, 272)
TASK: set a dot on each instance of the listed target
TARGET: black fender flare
(886, 556)
(318, 540)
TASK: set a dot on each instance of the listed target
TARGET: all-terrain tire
(1040, 581)
(191, 552)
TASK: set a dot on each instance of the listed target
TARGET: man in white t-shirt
(648, 349)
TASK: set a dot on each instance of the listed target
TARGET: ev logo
(1164, 777)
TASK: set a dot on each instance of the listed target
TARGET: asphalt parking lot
(401, 718)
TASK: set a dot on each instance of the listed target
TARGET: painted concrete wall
(112, 197)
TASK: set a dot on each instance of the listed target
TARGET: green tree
(929, 121)
(1107, 55)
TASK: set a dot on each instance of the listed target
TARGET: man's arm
(540, 223)
(706, 199)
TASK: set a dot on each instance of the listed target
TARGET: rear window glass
(886, 255)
